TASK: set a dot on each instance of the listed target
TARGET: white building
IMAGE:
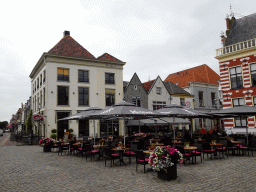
(68, 79)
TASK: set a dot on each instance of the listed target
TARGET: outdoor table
(191, 148)
(157, 144)
(215, 145)
(148, 151)
(121, 152)
(177, 142)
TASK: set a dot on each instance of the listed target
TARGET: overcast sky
(153, 37)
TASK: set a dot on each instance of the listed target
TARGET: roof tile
(67, 46)
(148, 85)
(202, 74)
(108, 57)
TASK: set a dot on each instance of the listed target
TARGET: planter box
(169, 175)
(47, 148)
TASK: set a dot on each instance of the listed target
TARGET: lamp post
(39, 107)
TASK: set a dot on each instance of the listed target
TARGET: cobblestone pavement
(28, 168)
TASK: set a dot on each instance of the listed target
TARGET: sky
(154, 38)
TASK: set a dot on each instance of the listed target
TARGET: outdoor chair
(90, 151)
(230, 147)
(81, 150)
(198, 152)
(109, 155)
(131, 152)
(54, 145)
(63, 148)
(186, 156)
(223, 148)
(208, 149)
(73, 149)
(141, 160)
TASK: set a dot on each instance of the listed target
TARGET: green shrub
(70, 130)
(53, 136)
(54, 130)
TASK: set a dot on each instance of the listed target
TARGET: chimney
(227, 22)
(66, 33)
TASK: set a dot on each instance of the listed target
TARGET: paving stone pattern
(28, 168)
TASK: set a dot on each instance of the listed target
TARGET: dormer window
(158, 91)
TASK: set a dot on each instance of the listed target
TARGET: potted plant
(186, 144)
(54, 131)
(164, 160)
(45, 142)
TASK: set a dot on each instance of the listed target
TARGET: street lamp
(39, 107)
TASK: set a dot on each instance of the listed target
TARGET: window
(110, 97)
(83, 76)
(253, 74)
(214, 103)
(44, 77)
(182, 102)
(40, 80)
(135, 87)
(136, 101)
(63, 74)
(158, 91)
(63, 95)
(158, 104)
(202, 123)
(37, 83)
(238, 102)
(236, 77)
(240, 121)
(83, 96)
(201, 98)
(110, 78)
(44, 97)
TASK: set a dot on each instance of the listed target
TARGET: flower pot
(170, 174)
(47, 148)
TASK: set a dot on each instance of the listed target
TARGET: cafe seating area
(121, 151)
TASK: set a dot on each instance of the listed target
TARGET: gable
(108, 57)
(67, 46)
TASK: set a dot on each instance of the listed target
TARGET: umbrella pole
(124, 132)
(139, 124)
(94, 130)
(112, 129)
(247, 129)
(107, 130)
(173, 128)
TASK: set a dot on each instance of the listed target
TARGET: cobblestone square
(28, 168)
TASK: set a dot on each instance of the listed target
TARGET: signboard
(188, 104)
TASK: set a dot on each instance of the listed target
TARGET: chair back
(206, 146)
(224, 143)
(113, 144)
(229, 144)
(243, 141)
(134, 147)
(140, 155)
(199, 146)
(107, 151)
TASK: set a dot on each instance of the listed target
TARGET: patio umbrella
(238, 111)
(174, 110)
(82, 115)
(126, 110)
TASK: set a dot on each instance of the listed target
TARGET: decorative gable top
(202, 74)
(148, 85)
(108, 57)
(67, 46)
(242, 29)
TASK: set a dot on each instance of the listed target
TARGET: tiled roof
(67, 46)
(108, 57)
(202, 74)
(242, 29)
(148, 85)
(174, 89)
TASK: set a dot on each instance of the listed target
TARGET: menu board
(65, 138)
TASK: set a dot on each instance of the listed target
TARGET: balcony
(236, 47)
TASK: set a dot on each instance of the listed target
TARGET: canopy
(179, 111)
(157, 121)
(82, 115)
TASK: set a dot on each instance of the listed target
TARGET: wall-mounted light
(96, 93)
(73, 93)
(51, 91)
(119, 93)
